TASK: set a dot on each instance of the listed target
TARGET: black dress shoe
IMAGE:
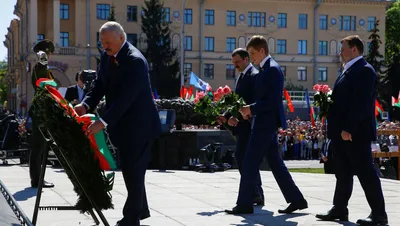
(144, 215)
(371, 220)
(300, 205)
(334, 214)
(259, 201)
(241, 210)
(45, 185)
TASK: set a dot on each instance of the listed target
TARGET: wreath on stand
(83, 156)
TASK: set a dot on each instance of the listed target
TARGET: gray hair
(114, 27)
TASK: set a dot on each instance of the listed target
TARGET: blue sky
(6, 15)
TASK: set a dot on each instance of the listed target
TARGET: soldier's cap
(44, 45)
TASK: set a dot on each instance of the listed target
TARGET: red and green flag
(289, 107)
(378, 108)
(395, 102)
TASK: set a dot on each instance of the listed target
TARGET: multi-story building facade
(303, 35)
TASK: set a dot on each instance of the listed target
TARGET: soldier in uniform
(43, 49)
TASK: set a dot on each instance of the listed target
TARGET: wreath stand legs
(51, 143)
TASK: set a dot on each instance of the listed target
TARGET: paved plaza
(194, 199)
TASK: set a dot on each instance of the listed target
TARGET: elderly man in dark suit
(268, 115)
(244, 86)
(352, 128)
(131, 117)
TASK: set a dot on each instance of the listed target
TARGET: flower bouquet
(322, 99)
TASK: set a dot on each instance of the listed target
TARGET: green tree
(164, 65)
(392, 53)
(3, 85)
(292, 87)
(111, 17)
(374, 57)
(392, 32)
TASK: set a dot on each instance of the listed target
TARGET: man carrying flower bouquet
(352, 128)
(244, 86)
(267, 116)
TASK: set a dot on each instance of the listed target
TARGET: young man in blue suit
(244, 86)
(131, 117)
(267, 116)
(352, 128)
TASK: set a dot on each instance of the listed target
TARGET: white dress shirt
(81, 93)
(350, 63)
(265, 60)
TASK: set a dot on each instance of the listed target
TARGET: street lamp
(182, 44)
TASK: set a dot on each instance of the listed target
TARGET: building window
(132, 38)
(209, 17)
(188, 43)
(302, 21)
(187, 68)
(230, 44)
(347, 23)
(323, 22)
(302, 47)
(302, 74)
(209, 71)
(231, 18)
(371, 23)
(281, 46)
(167, 17)
(209, 44)
(323, 48)
(322, 74)
(103, 11)
(131, 13)
(230, 72)
(64, 12)
(256, 19)
(283, 69)
(188, 14)
(64, 39)
(282, 20)
(40, 37)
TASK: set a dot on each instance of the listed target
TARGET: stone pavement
(194, 199)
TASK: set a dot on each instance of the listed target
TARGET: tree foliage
(111, 17)
(392, 32)
(3, 85)
(392, 53)
(164, 65)
(374, 57)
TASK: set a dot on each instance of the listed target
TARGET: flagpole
(182, 44)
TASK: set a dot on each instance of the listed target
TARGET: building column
(33, 21)
(56, 22)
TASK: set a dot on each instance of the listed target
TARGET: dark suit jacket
(268, 112)
(353, 107)
(245, 90)
(72, 93)
(130, 111)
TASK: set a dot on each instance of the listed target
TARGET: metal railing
(19, 213)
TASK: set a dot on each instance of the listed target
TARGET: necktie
(112, 60)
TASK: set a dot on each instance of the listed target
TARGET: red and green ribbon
(97, 141)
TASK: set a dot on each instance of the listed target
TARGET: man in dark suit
(352, 128)
(327, 157)
(268, 115)
(130, 116)
(76, 93)
(43, 50)
(244, 86)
